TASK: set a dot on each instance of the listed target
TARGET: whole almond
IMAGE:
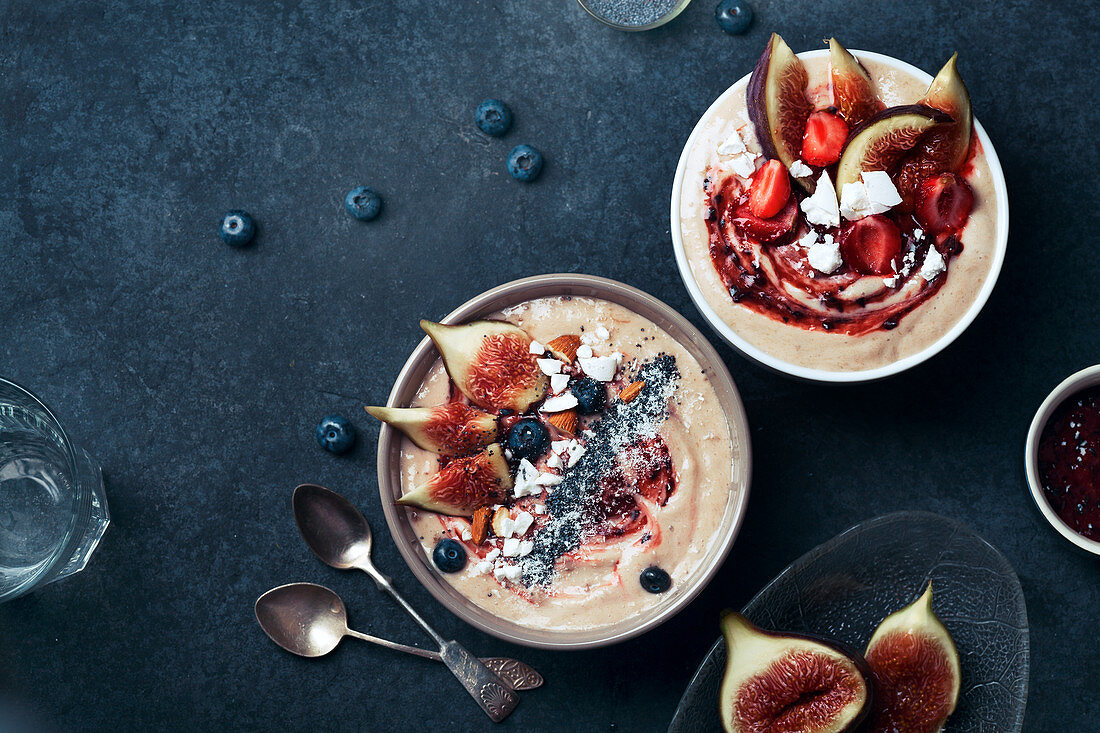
(500, 515)
(565, 421)
(631, 391)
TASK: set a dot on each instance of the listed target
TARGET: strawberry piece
(771, 188)
(766, 230)
(871, 245)
(824, 139)
(944, 203)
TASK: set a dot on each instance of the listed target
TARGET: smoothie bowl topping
(830, 210)
(564, 463)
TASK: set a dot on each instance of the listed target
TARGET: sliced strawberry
(771, 188)
(766, 230)
(824, 139)
(944, 203)
(871, 245)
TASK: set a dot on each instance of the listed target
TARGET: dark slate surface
(196, 372)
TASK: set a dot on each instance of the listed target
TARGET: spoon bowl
(305, 619)
(332, 527)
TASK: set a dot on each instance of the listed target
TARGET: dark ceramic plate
(843, 588)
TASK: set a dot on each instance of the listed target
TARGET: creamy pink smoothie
(661, 474)
(953, 290)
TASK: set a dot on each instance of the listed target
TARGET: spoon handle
(486, 688)
(426, 653)
(384, 583)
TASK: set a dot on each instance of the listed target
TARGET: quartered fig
(490, 362)
(787, 682)
(945, 149)
(883, 140)
(464, 485)
(915, 669)
(853, 93)
(777, 103)
(453, 429)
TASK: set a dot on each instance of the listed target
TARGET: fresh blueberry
(733, 16)
(363, 203)
(493, 117)
(335, 434)
(591, 395)
(449, 555)
(524, 163)
(528, 439)
(237, 228)
(655, 580)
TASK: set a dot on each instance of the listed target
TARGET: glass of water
(53, 511)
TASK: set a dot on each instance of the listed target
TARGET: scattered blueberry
(524, 163)
(655, 580)
(363, 203)
(335, 434)
(449, 555)
(494, 117)
(591, 395)
(528, 439)
(733, 16)
(237, 228)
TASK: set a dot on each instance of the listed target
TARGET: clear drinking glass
(53, 510)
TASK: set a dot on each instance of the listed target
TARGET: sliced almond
(565, 347)
(631, 391)
(498, 521)
(565, 421)
(480, 524)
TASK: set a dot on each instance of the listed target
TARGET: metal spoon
(310, 620)
(339, 535)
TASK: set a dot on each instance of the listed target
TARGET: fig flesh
(881, 142)
(464, 485)
(490, 362)
(785, 682)
(853, 93)
(777, 102)
(915, 668)
(453, 429)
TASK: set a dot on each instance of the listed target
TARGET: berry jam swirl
(1069, 462)
(768, 271)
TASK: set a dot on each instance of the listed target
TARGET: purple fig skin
(919, 109)
(755, 100)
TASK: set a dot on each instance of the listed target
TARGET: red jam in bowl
(1069, 462)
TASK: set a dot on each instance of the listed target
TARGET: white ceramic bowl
(822, 375)
(1083, 379)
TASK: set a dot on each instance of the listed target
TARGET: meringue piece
(558, 382)
(821, 207)
(584, 351)
(511, 547)
(733, 145)
(558, 403)
(934, 264)
(801, 170)
(524, 520)
(536, 348)
(600, 368)
(549, 367)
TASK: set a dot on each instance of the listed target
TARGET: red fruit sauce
(757, 265)
(1069, 462)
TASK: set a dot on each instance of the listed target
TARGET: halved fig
(777, 103)
(853, 93)
(915, 668)
(490, 362)
(464, 485)
(883, 140)
(945, 149)
(788, 682)
(453, 429)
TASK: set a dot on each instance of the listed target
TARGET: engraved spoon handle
(486, 688)
(512, 672)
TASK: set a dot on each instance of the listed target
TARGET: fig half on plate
(777, 102)
(884, 139)
(790, 682)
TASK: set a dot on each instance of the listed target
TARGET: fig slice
(915, 669)
(778, 106)
(879, 143)
(853, 92)
(943, 150)
(789, 682)
(490, 362)
(464, 485)
(453, 429)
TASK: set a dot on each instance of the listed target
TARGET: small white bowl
(1073, 384)
(822, 375)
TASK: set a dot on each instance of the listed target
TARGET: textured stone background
(196, 372)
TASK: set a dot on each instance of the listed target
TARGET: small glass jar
(634, 15)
